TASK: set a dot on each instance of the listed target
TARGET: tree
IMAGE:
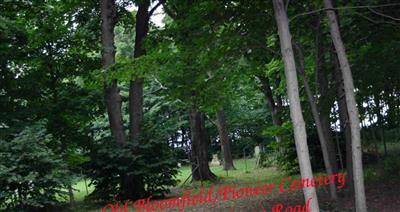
(294, 101)
(344, 120)
(199, 154)
(351, 106)
(326, 93)
(314, 110)
(111, 93)
(274, 104)
(136, 85)
(225, 141)
(136, 90)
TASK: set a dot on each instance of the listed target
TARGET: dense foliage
(32, 175)
(109, 162)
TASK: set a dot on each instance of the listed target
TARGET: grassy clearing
(246, 175)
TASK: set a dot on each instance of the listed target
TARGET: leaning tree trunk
(325, 101)
(111, 93)
(344, 122)
(314, 110)
(225, 142)
(199, 152)
(274, 107)
(294, 99)
(380, 122)
(351, 106)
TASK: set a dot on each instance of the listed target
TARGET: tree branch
(343, 8)
(168, 11)
(160, 2)
(212, 121)
(376, 22)
(384, 15)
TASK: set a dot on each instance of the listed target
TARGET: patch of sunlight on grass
(80, 191)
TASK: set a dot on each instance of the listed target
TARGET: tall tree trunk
(380, 122)
(183, 141)
(136, 86)
(225, 141)
(199, 153)
(294, 99)
(314, 111)
(111, 93)
(361, 205)
(135, 183)
(274, 107)
(71, 197)
(325, 100)
(112, 97)
(344, 121)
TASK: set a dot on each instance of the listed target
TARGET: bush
(32, 176)
(152, 161)
(391, 166)
(182, 155)
(283, 154)
(266, 160)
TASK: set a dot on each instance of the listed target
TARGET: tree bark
(111, 93)
(199, 153)
(380, 122)
(225, 141)
(344, 121)
(72, 202)
(294, 99)
(129, 187)
(325, 101)
(136, 86)
(318, 124)
(183, 141)
(361, 205)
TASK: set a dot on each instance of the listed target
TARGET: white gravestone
(215, 161)
(257, 151)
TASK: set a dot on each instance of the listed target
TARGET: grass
(245, 174)
(80, 191)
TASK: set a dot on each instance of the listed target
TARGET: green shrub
(266, 160)
(152, 161)
(32, 176)
(283, 154)
(391, 166)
